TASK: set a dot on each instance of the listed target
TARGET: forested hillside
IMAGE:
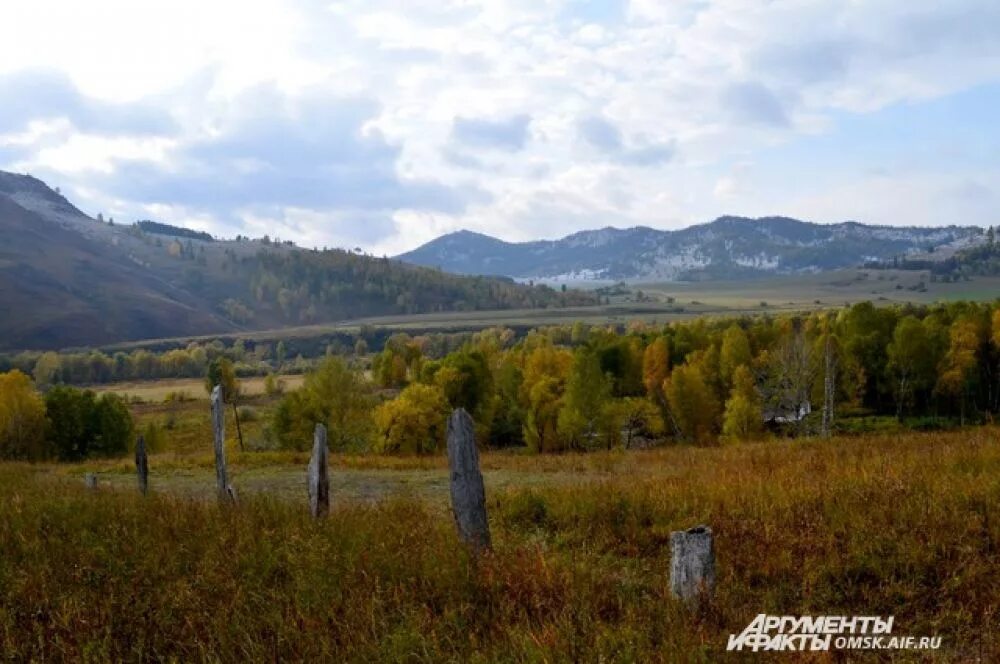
(979, 260)
(72, 280)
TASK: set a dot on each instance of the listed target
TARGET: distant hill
(981, 259)
(68, 280)
(727, 248)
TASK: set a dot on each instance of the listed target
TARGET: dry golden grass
(156, 391)
(898, 525)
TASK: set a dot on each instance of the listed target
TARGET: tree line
(580, 387)
(66, 423)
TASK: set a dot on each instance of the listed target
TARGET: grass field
(893, 525)
(156, 391)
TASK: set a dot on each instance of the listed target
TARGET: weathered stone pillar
(692, 564)
(219, 430)
(90, 481)
(468, 494)
(141, 465)
(319, 474)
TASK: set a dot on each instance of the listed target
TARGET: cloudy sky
(382, 124)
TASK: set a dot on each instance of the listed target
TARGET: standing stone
(692, 564)
(219, 430)
(468, 495)
(90, 481)
(142, 465)
(319, 474)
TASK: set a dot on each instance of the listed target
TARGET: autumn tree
(333, 395)
(789, 371)
(546, 369)
(584, 410)
(911, 361)
(743, 418)
(735, 353)
(995, 341)
(22, 418)
(655, 368)
(634, 417)
(692, 401)
(412, 423)
(542, 415)
(957, 368)
(507, 423)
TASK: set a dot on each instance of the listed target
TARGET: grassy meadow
(902, 525)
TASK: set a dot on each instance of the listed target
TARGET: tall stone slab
(319, 474)
(225, 492)
(141, 465)
(468, 493)
(692, 564)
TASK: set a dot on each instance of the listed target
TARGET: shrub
(414, 422)
(81, 424)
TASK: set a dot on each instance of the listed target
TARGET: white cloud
(517, 118)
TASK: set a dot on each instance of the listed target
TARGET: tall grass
(904, 525)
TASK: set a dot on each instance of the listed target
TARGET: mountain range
(726, 248)
(69, 280)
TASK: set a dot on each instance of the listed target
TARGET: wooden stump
(141, 465)
(468, 494)
(90, 481)
(319, 474)
(692, 564)
(226, 492)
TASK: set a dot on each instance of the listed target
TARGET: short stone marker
(90, 481)
(226, 492)
(692, 564)
(468, 494)
(141, 465)
(319, 474)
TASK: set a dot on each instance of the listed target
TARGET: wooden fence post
(142, 465)
(692, 564)
(468, 494)
(319, 474)
(226, 492)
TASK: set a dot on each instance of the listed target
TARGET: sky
(383, 124)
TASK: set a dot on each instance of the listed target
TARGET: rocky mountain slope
(727, 248)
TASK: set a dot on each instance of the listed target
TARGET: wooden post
(219, 429)
(692, 564)
(319, 474)
(90, 481)
(468, 494)
(142, 465)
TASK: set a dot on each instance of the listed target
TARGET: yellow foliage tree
(692, 400)
(655, 368)
(546, 370)
(960, 361)
(22, 418)
(735, 353)
(414, 422)
(743, 419)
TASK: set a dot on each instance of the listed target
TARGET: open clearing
(878, 525)
(155, 391)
